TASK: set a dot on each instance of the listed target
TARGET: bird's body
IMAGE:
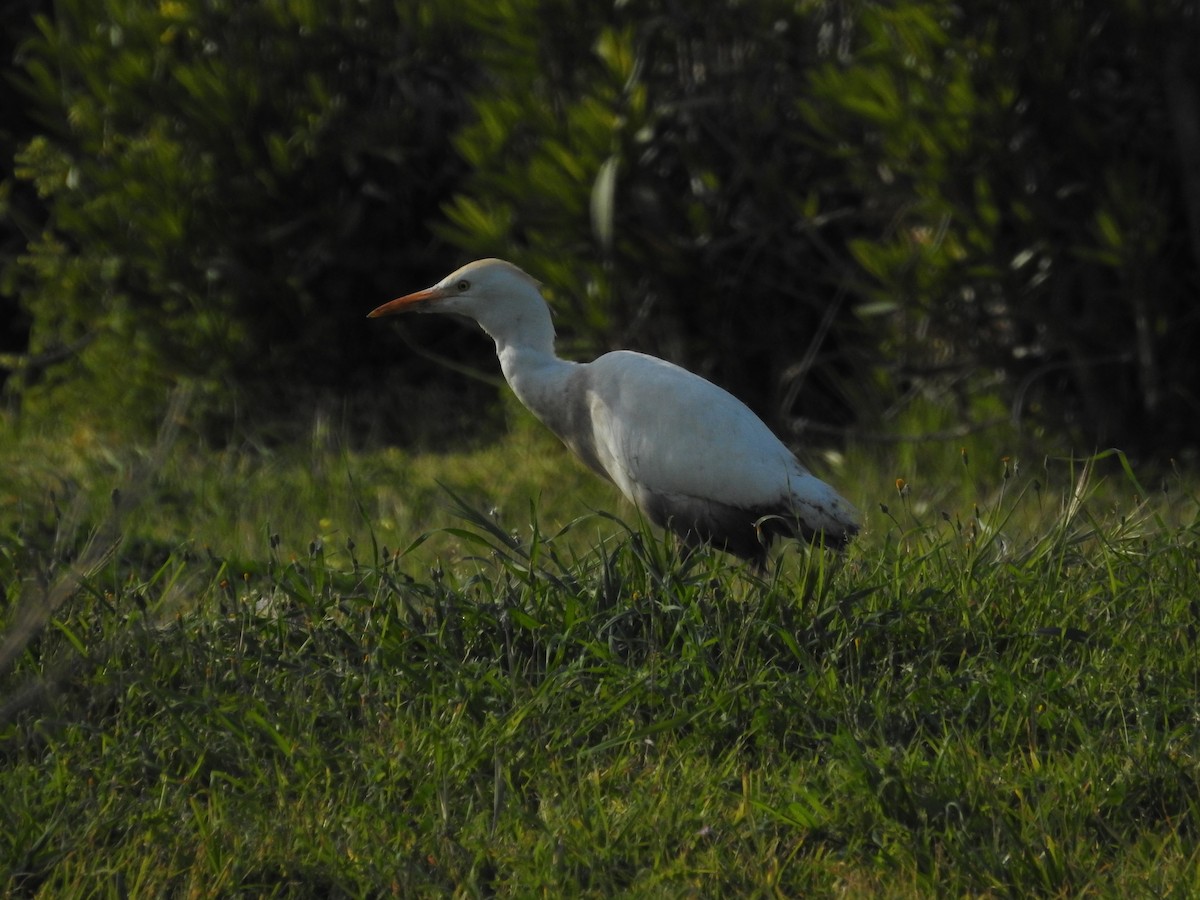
(692, 457)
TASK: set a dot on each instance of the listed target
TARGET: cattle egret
(692, 457)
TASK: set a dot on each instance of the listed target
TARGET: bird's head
(494, 293)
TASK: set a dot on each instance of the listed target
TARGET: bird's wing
(661, 430)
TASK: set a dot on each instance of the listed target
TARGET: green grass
(316, 672)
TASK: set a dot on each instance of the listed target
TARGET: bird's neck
(536, 375)
(525, 346)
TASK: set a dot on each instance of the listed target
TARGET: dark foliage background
(828, 208)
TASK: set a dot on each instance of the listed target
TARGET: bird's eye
(462, 285)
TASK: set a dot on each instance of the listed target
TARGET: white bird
(692, 457)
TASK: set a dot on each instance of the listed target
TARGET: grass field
(318, 672)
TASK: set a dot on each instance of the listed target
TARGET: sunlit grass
(325, 671)
(245, 500)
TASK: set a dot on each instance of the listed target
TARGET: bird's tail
(820, 510)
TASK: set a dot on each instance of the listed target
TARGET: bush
(19, 209)
(1034, 173)
(230, 187)
(828, 212)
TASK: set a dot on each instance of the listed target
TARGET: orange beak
(408, 303)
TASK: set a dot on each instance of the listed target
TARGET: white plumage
(689, 455)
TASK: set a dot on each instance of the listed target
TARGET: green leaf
(603, 202)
